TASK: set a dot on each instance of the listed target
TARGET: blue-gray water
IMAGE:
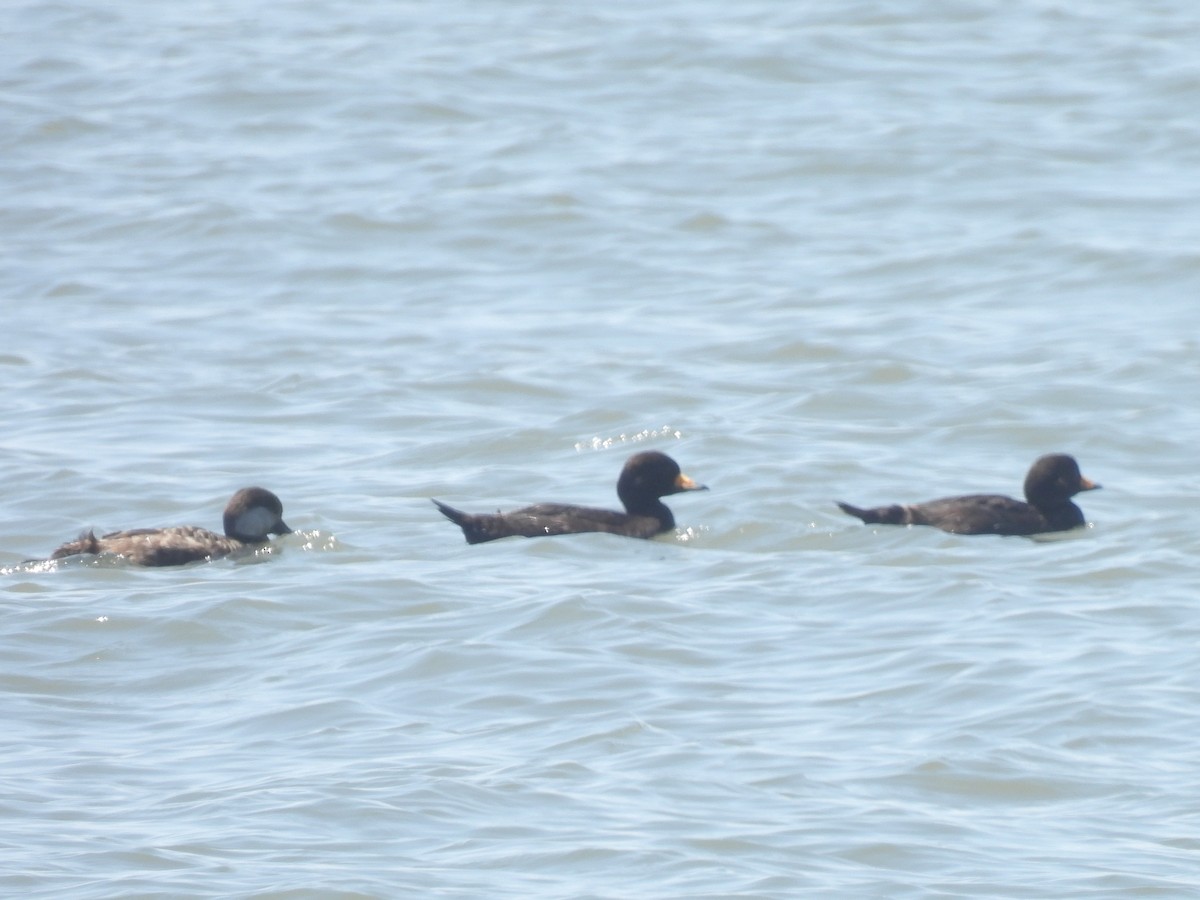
(366, 254)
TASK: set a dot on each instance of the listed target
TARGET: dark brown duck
(252, 515)
(1051, 483)
(646, 478)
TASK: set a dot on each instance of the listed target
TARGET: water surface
(369, 254)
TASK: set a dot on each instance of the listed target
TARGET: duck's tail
(880, 515)
(87, 543)
(457, 516)
(474, 527)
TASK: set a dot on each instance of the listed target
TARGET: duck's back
(981, 514)
(155, 546)
(975, 514)
(544, 519)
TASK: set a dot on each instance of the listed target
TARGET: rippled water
(368, 254)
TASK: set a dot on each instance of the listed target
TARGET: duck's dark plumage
(1051, 483)
(252, 515)
(646, 478)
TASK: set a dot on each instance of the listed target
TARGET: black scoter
(645, 478)
(1051, 483)
(252, 515)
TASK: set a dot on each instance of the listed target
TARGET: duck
(251, 516)
(1052, 481)
(645, 479)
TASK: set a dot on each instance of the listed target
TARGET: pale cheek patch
(255, 521)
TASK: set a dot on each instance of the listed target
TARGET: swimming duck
(252, 515)
(645, 478)
(1051, 483)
